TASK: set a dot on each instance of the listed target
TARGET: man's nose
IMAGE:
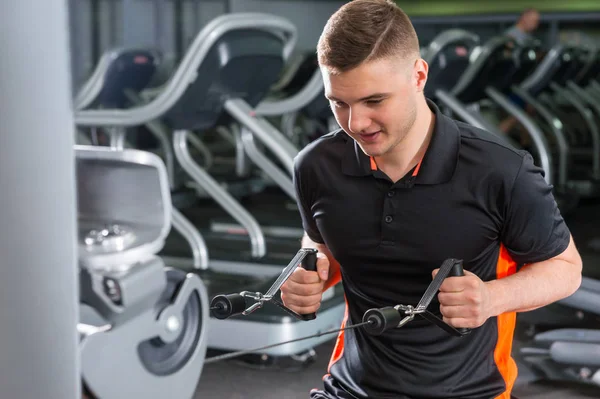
(358, 122)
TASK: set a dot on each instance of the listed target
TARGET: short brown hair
(366, 30)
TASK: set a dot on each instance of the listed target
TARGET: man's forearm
(534, 286)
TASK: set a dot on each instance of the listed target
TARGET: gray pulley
(159, 353)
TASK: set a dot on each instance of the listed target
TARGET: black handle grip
(310, 263)
(458, 271)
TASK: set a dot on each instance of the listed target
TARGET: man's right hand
(302, 292)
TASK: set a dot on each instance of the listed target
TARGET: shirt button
(391, 193)
(388, 219)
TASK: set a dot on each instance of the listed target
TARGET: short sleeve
(304, 187)
(534, 228)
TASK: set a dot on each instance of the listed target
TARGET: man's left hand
(464, 301)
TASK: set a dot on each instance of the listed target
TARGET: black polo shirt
(472, 198)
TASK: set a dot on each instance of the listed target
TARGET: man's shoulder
(326, 147)
(489, 151)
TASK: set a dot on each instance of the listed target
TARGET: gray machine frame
(134, 340)
(38, 284)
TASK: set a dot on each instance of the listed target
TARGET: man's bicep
(534, 228)
(570, 254)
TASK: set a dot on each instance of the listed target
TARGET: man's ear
(420, 71)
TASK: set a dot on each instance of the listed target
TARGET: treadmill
(226, 73)
(575, 89)
(545, 91)
(275, 207)
(117, 71)
(462, 70)
(564, 343)
(493, 72)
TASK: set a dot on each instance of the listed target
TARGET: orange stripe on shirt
(415, 172)
(338, 350)
(506, 327)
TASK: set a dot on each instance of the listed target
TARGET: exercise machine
(559, 65)
(567, 353)
(142, 325)
(117, 71)
(226, 72)
(119, 77)
(484, 73)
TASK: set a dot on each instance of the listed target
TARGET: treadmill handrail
(588, 117)
(591, 60)
(444, 38)
(92, 87)
(220, 194)
(187, 69)
(536, 134)
(272, 138)
(466, 79)
(548, 64)
(556, 128)
(463, 112)
(309, 92)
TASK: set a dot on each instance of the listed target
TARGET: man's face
(532, 20)
(375, 103)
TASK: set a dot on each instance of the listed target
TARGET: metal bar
(539, 141)
(589, 119)
(556, 128)
(461, 110)
(161, 133)
(204, 151)
(308, 93)
(223, 198)
(38, 208)
(117, 138)
(273, 171)
(592, 102)
(272, 138)
(193, 237)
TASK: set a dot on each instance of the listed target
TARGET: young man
(395, 192)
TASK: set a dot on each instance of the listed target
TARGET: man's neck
(411, 150)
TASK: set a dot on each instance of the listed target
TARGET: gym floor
(232, 380)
